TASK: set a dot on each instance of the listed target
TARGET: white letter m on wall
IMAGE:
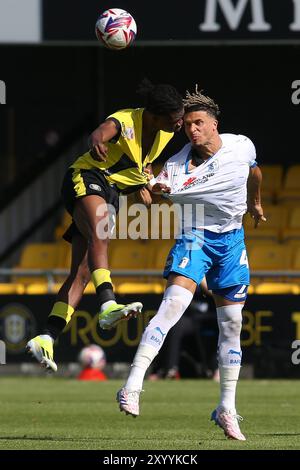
(233, 15)
(2, 92)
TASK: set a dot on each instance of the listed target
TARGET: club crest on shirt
(213, 166)
(127, 132)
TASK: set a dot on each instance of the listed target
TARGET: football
(116, 28)
(92, 356)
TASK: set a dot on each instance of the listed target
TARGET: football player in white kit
(212, 170)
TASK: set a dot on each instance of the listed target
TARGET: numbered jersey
(219, 184)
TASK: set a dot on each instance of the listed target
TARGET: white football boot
(229, 422)
(129, 401)
(42, 350)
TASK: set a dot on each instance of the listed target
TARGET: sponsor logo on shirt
(194, 181)
(127, 132)
(95, 187)
(189, 181)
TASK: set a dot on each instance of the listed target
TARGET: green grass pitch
(54, 413)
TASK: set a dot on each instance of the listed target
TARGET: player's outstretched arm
(253, 199)
(105, 132)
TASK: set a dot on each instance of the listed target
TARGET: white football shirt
(218, 185)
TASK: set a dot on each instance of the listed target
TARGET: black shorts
(80, 183)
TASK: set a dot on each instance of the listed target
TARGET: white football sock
(142, 360)
(229, 352)
(228, 382)
(175, 301)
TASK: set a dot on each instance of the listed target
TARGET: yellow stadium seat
(277, 288)
(272, 181)
(291, 234)
(292, 177)
(128, 254)
(37, 256)
(271, 229)
(292, 231)
(160, 250)
(37, 288)
(296, 259)
(294, 218)
(64, 253)
(250, 289)
(90, 288)
(54, 288)
(64, 258)
(270, 258)
(289, 197)
(252, 243)
(293, 243)
(163, 221)
(8, 288)
(62, 227)
(291, 186)
(140, 288)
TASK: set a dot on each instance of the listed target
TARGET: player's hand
(160, 188)
(144, 196)
(99, 152)
(148, 173)
(257, 213)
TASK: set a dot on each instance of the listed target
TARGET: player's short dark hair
(160, 99)
(198, 102)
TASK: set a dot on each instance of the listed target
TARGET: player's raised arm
(254, 199)
(105, 132)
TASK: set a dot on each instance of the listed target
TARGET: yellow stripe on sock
(62, 310)
(99, 276)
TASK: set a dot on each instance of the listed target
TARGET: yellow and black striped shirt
(124, 165)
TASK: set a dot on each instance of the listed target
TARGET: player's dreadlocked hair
(160, 99)
(198, 102)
